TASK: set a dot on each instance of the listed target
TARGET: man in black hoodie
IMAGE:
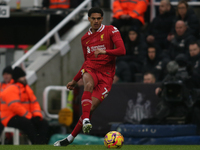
(154, 63)
(161, 25)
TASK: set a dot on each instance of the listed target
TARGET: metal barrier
(54, 32)
(64, 90)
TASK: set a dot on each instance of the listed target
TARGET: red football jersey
(105, 38)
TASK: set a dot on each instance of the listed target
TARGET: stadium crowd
(174, 31)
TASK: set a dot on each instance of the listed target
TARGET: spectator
(21, 110)
(122, 73)
(155, 63)
(194, 60)
(132, 62)
(149, 78)
(161, 25)
(56, 4)
(180, 42)
(129, 13)
(7, 80)
(188, 16)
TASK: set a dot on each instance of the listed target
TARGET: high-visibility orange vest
(55, 4)
(20, 100)
(3, 85)
(134, 8)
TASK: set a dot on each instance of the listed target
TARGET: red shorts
(102, 84)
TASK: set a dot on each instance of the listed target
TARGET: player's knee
(89, 87)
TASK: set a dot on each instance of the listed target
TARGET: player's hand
(99, 51)
(71, 85)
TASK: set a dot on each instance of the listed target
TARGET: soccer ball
(113, 139)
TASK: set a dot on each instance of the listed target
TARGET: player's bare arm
(99, 51)
(71, 85)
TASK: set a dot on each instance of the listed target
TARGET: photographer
(179, 102)
(175, 92)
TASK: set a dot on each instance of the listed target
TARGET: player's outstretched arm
(71, 85)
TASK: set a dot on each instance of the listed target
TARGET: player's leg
(86, 102)
(68, 140)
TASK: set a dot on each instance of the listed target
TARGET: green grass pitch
(100, 147)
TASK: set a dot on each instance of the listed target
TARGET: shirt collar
(99, 30)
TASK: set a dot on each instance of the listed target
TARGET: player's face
(95, 21)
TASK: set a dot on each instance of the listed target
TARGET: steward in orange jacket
(129, 12)
(7, 80)
(21, 102)
(56, 4)
(133, 8)
(20, 109)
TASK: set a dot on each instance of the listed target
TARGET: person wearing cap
(20, 109)
(7, 77)
(7, 80)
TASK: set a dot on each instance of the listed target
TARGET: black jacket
(180, 44)
(135, 51)
(161, 25)
(156, 66)
(195, 63)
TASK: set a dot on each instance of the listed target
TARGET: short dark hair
(151, 46)
(95, 10)
(194, 42)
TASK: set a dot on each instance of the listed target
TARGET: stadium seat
(16, 135)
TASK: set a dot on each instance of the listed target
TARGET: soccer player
(97, 70)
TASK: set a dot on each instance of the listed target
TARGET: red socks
(77, 128)
(86, 103)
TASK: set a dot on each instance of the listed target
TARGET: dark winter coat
(156, 66)
(161, 25)
(135, 51)
(180, 44)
